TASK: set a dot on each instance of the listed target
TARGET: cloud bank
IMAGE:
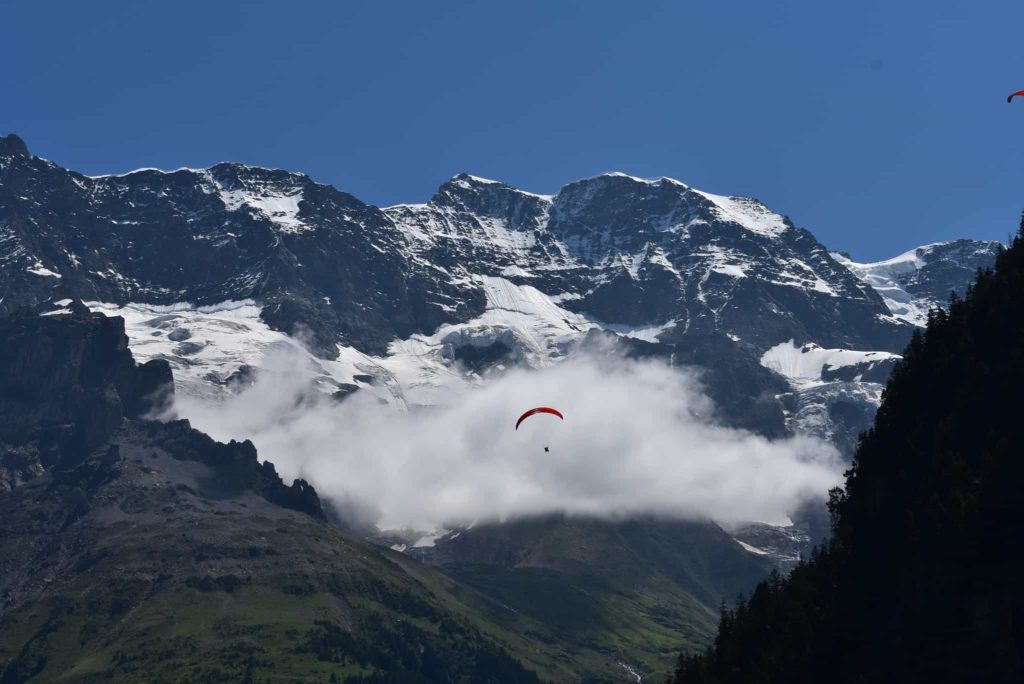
(638, 438)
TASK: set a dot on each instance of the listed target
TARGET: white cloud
(638, 437)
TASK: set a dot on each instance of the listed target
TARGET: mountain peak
(469, 178)
(636, 179)
(620, 199)
(920, 279)
(484, 195)
(13, 146)
(462, 183)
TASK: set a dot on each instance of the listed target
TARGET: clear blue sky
(877, 125)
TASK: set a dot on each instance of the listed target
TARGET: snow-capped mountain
(645, 253)
(213, 268)
(919, 280)
(316, 259)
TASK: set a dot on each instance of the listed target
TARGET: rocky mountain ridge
(412, 297)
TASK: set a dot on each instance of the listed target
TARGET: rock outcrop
(69, 387)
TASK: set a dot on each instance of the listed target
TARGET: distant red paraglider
(1013, 95)
(539, 409)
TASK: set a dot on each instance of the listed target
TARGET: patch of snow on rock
(282, 209)
(748, 213)
(803, 365)
(41, 270)
(884, 276)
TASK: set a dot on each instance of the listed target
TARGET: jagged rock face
(69, 387)
(67, 382)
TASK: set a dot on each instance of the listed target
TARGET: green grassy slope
(145, 568)
(613, 594)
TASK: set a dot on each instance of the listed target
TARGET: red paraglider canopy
(1013, 95)
(539, 409)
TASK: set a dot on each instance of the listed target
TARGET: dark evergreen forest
(922, 578)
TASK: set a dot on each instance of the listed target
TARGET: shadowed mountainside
(921, 580)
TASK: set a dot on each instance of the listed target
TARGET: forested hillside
(921, 580)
